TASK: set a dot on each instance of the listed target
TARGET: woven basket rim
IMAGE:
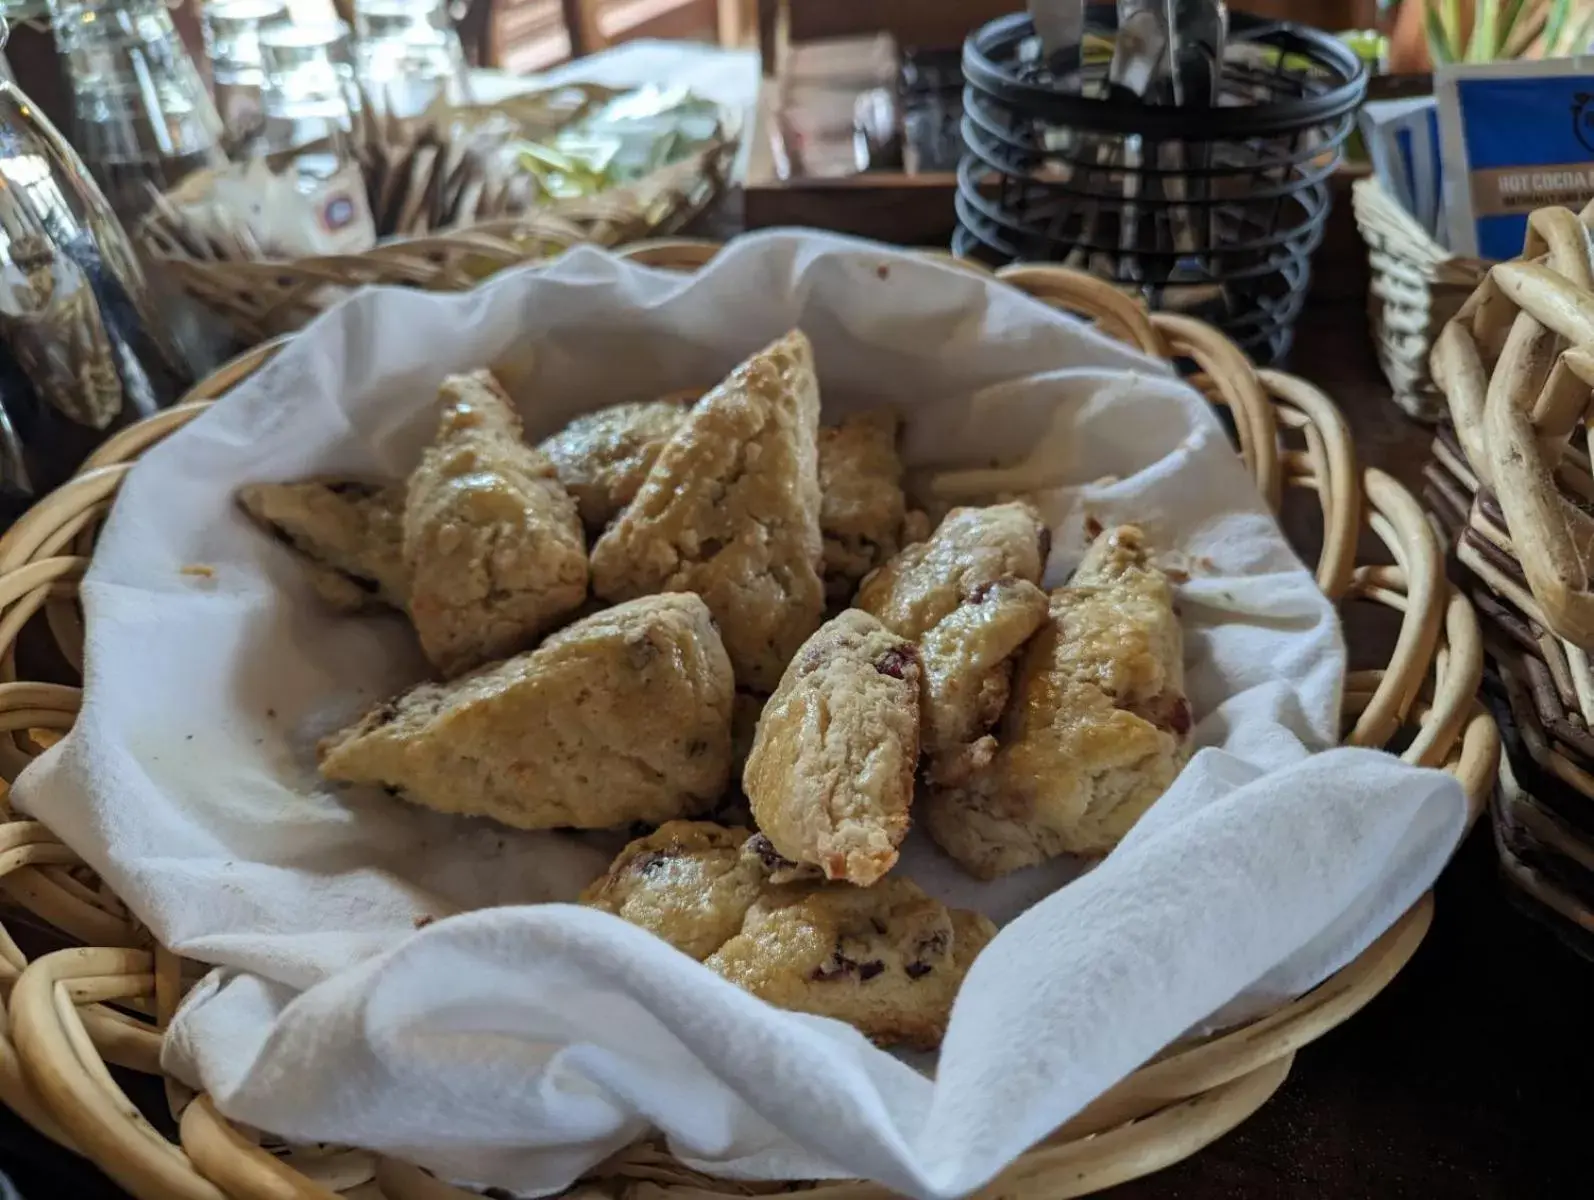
(73, 1011)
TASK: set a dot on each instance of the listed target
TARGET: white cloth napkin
(517, 1041)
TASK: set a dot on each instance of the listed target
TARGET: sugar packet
(1515, 136)
(1402, 140)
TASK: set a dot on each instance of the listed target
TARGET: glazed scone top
(602, 457)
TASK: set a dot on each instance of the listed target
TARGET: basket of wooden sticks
(450, 207)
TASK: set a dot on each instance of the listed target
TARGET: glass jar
(237, 69)
(310, 95)
(142, 119)
(408, 55)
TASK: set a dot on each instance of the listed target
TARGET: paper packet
(1515, 136)
(1402, 139)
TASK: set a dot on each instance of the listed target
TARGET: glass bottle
(408, 55)
(83, 347)
(237, 67)
(309, 97)
(142, 118)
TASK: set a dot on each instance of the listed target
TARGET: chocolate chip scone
(888, 960)
(1098, 729)
(349, 533)
(603, 457)
(730, 511)
(494, 547)
(623, 716)
(970, 597)
(830, 776)
(861, 508)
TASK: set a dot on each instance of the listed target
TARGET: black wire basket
(1213, 210)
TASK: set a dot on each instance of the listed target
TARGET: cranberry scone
(862, 508)
(348, 531)
(730, 510)
(887, 960)
(970, 597)
(492, 541)
(623, 716)
(830, 775)
(1098, 728)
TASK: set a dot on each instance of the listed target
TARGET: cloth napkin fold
(517, 1039)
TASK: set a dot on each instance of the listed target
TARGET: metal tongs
(1167, 52)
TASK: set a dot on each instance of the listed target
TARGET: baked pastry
(688, 882)
(888, 960)
(624, 716)
(969, 596)
(730, 511)
(492, 541)
(603, 457)
(861, 506)
(1098, 728)
(830, 776)
(348, 532)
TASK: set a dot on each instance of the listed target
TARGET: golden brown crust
(602, 457)
(830, 776)
(688, 883)
(888, 960)
(494, 547)
(861, 504)
(969, 597)
(1098, 728)
(348, 531)
(624, 716)
(730, 511)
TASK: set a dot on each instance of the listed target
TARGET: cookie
(730, 510)
(1098, 729)
(623, 716)
(348, 532)
(830, 776)
(494, 547)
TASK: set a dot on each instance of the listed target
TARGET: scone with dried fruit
(494, 547)
(861, 509)
(349, 533)
(887, 960)
(830, 776)
(624, 716)
(602, 457)
(730, 511)
(688, 882)
(970, 597)
(1098, 728)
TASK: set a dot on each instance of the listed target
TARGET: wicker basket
(1417, 285)
(74, 1011)
(1509, 486)
(261, 300)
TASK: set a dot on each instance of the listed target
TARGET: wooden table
(1468, 1078)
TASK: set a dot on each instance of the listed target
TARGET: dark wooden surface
(1470, 1078)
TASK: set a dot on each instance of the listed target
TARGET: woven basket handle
(1517, 366)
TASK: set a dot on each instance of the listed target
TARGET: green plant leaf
(1555, 25)
(1438, 44)
(1484, 45)
(1576, 40)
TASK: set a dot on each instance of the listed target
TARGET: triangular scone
(1098, 727)
(830, 776)
(624, 716)
(492, 541)
(862, 508)
(602, 457)
(730, 511)
(348, 531)
(888, 960)
(970, 597)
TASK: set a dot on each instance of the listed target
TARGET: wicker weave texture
(72, 1012)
